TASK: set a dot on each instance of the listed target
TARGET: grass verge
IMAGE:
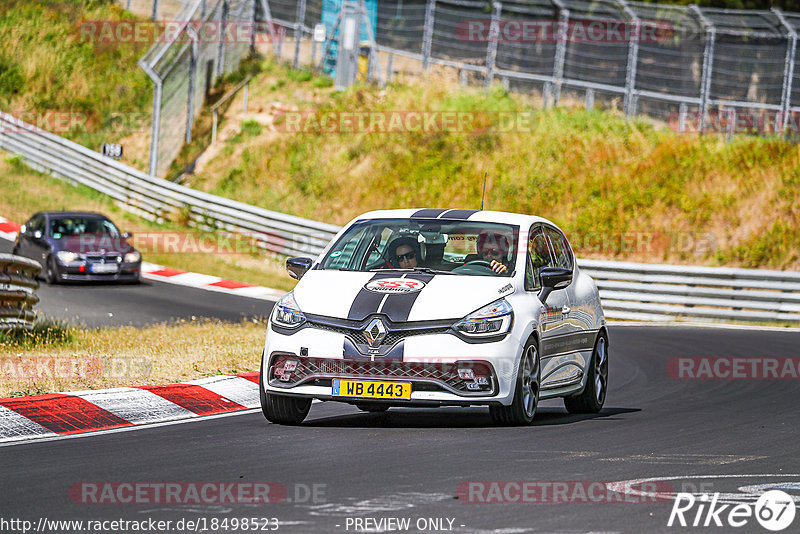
(128, 356)
(626, 190)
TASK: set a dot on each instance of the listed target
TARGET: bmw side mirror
(297, 267)
(554, 278)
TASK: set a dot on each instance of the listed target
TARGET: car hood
(344, 294)
(92, 244)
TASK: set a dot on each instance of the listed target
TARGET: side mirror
(554, 278)
(23, 230)
(297, 267)
(127, 235)
(37, 234)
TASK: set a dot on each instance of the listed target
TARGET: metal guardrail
(633, 291)
(640, 291)
(17, 291)
(159, 199)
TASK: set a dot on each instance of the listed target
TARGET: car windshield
(69, 226)
(431, 245)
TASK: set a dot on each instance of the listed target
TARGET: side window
(538, 257)
(36, 224)
(563, 255)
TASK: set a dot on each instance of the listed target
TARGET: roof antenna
(484, 189)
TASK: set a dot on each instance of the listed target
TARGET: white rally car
(436, 307)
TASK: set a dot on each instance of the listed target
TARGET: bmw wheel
(594, 394)
(280, 409)
(522, 409)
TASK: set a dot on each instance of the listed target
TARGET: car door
(569, 345)
(540, 255)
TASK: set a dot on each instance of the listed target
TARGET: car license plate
(372, 390)
(104, 268)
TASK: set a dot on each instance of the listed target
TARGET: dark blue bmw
(78, 246)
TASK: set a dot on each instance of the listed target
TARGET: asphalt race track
(706, 436)
(150, 302)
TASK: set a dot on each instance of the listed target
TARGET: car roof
(523, 221)
(87, 214)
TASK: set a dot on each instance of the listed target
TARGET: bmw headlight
(132, 257)
(287, 313)
(491, 320)
(65, 256)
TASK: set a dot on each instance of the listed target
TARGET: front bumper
(80, 271)
(431, 363)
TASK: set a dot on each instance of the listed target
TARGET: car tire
(522, 409)
(373, 408)
(593, 396)
(280, 409)
(51, 274)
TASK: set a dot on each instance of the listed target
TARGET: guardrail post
(427, 34)
(155, 10)
(682, 111)
(788, 69)
(389, 66)
(731, 126)
(561, 50)
(589, 102)
(298, 31)
(708, 65)
(633, 59)
(491, 49)
(223, 26)
(245, 96)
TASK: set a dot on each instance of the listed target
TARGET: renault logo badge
(375, 332)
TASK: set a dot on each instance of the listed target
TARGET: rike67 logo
(774, 510)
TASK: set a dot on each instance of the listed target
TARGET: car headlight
(492, 319)
(65, 256)
(132, 257)
(287, 313)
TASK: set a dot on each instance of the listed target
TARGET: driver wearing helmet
(493, 248)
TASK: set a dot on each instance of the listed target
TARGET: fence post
(708, 64)
(298, 31)
(491, 50)
(427, 34)
(633, 58)
(155, 10)
(270, 27)
(788, 69)
(192, 80)
(561, 50)
(154, 131)
(221, 49)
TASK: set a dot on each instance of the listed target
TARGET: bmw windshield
(435, 245)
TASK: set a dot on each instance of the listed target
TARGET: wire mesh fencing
(206, 40)
(697, 69)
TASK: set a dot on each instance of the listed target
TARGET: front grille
(357, 335)
(444, 374)
(101, 258)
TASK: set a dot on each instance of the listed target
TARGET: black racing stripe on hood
(366, 301)
(398, 306)
(428, 213)
(458, 214)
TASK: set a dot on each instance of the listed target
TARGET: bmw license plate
(371, 390)
(104, 268)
